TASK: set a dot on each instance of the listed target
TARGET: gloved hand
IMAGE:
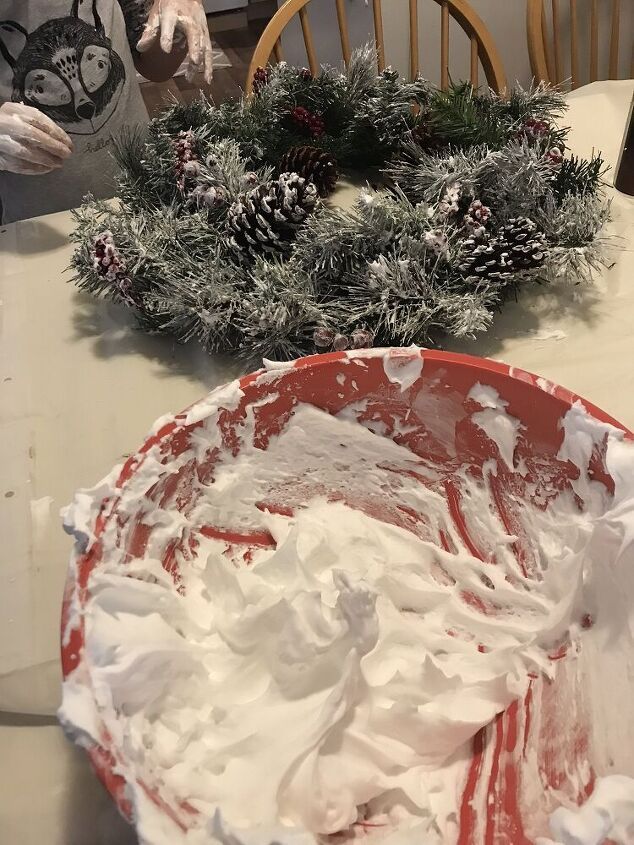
(30, 143)
(173, 18)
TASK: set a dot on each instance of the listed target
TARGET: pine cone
(313, 164)
(265, 219)
(516, 248)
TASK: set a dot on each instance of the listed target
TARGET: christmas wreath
(222, 230)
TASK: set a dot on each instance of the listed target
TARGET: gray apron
(70, 59)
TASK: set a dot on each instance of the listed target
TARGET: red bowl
(489, 809)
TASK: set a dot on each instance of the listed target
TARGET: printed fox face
(67, 69)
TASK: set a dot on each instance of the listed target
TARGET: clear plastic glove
(30, 143)
(172, 19)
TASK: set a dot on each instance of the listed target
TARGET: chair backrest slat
(313, 64)
(614, 39)
(482, 47)
(604, 56)
(548, 52)
(413, 39)
(378, 33)
(343, 31)
(475, 61)
(574, 44)
(594, 41)
(444, 46)
(557, 40)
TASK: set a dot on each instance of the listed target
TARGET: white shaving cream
(337, 680)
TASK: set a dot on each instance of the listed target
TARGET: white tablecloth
(78, 390)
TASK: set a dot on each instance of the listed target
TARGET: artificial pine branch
(384, 116)
(579, 176)
(278, 312)
(402, 303)
(425, 176)
(180, 117)
(540, 101)
(200, 302)
(159, 248)
(334, 242)
(460, 116)
(573, 228)
(361, 75)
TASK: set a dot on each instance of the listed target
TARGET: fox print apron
(71, 60)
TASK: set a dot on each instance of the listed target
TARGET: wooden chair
(546, 40)
(482, 47)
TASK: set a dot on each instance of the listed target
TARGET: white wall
(506, 19)
(323, 24)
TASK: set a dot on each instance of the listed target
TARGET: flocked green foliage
(464, 117)
(407, 263)
(579, 176)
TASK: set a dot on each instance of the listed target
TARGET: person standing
(68, 86)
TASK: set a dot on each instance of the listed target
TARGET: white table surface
(79, 388)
